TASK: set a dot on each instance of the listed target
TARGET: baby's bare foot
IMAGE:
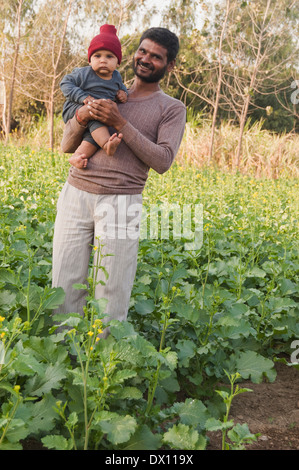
(79, 161)
(112, 144)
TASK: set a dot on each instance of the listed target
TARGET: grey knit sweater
(151, 138)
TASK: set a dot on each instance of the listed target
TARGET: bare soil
(272, 410)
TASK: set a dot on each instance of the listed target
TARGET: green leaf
(256, 272)
(144, 307)
(45, 349)
(191, 412)
(240, 435)
(121, 329)
(57, 442)
(184, 437)
(119, 429)
(143, 439)
(26, 364)
(124, 374)
(288, 287)
(54, 298)
(80, 286)
(70, 319)
(99, 305)
(279, 304)
(213, 424)
(10, 446)
(7, 299)
(171, 359)
(42, 414)
(51, 379)
(72, 419)
(130, 393)
(186, 350)
(252, 365)
(145, 279)
(8, 277)
(17, 430)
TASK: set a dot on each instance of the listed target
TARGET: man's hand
(83, 115)
(107, 112)
(121, 96)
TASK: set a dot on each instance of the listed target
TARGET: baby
(98, 80)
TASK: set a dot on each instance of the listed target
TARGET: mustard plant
(166, 321)
(227, 397)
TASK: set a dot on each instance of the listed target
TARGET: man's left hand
(107, 112)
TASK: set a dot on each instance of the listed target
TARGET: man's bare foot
(112, 144)
(79, 161)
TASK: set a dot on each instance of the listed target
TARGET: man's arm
(158, 156)
(74, 130)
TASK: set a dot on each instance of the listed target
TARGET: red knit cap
(108, 40)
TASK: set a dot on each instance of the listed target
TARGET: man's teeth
(145, 67)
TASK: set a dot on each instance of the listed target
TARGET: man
(102, 200)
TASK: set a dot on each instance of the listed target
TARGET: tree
(259, 47)
(46, 56)
(244, 50)
(12, 16)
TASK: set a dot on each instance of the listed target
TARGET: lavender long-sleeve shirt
(151, 139)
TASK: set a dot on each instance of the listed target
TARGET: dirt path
(272, 410)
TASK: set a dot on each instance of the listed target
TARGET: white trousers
(81, 218)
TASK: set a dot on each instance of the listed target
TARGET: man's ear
(171, 65)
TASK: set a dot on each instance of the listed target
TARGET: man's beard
(153, 78)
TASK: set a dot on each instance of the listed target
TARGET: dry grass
(264, 154)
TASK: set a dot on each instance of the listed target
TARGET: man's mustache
(139, 62)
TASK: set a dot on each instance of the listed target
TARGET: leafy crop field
(200, 320)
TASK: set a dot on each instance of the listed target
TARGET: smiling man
(104, 200)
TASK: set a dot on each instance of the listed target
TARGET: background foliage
(249, 49)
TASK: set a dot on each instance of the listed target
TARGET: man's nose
(146, 58)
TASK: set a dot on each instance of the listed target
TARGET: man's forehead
(152, 46)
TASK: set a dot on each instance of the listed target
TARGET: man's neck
(141, 88)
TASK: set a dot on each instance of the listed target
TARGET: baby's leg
(83, 153)
(107, 142)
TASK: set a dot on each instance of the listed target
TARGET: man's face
(150, 62)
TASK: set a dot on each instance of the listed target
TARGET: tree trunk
(251, 86)
(216, 105)
(55, 67)
(14, 70)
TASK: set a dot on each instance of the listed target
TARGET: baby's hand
(89, 98)
(121, 96)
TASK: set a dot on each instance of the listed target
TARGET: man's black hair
(164, 38)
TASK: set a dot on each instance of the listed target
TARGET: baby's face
(103, 63)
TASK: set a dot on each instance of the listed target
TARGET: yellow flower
(100, 331)
(91, 348)
(17, 388)
(97, 339)
(2, 319)
(90, 333)
(2, 334)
